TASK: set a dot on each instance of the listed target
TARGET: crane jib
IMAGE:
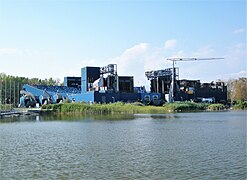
(192, 59)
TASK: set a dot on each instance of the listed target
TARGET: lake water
(204, 145)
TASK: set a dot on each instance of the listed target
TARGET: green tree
(237, 89)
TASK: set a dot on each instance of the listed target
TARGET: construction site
(104, 85)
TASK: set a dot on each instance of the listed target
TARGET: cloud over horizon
(135, 60)
(170, 44)
(142, 57)
(8, 51)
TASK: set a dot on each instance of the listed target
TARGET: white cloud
(239, 74)
(136, 60)
(131, 62)
(135, 51)
(234, 75)
(204, 52)
(198, 70)
(234, 61)
(143, 57)
(8, 51)
(170, 44)
(238, 31)
(179, 54)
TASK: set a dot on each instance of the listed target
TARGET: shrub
(216, 107)
(242, 105)
(185, 106)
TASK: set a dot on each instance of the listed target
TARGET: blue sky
(55, 38)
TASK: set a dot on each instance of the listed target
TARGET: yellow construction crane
(172, 87)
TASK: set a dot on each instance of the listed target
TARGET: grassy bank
(102, 108)
(242, 105)
(129, 108)
(215, 107)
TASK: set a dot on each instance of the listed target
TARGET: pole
(18, 92)
(1, 99)
(5, 92)
(163, 88)
(173, 80)
(14, 95)
(10, 102)
(157, 84)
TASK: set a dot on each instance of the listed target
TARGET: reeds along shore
(130, 108)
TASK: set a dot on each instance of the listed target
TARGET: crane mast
(172, 87)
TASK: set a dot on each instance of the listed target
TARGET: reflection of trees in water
(158, 116)
(78, 117)
(168, 116)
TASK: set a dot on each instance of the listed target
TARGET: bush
(242, 105)
(185, 106)
(216, 107)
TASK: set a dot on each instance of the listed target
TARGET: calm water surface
(206, 145)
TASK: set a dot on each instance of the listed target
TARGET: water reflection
(37, 118)
(78, 117)
(68, 117)
(158, 116)
(168, 146)
(31, 118)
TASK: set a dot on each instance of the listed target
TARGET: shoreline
(130, 108)
(18, 112)
(114, 108)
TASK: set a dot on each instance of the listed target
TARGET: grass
(100, 108)
(185, 106)
(216, 107)
(6, 107)
(127, 108)
(242, 105)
